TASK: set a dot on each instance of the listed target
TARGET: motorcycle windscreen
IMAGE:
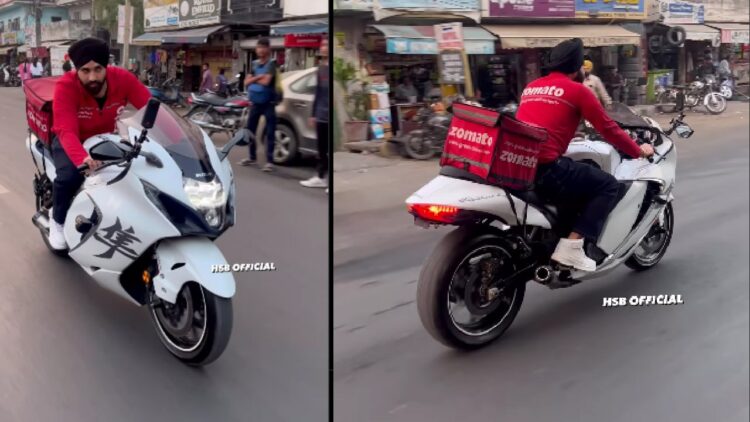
(182, 139)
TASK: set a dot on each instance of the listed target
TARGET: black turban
(566, 57)
(89, 49)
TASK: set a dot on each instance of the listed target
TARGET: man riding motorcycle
(557, 102)
(86, 103)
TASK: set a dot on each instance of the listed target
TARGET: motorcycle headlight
(209, 198)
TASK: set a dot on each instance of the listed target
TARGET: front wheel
(653, 247)
(461, 297)
(197, 327)
(716, 104)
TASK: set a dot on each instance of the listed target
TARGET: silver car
(294, 135)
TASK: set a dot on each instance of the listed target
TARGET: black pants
(269, 111)
(570, 184)
(322, 134)
(67, 182)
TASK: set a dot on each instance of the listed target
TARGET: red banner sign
(302, 40)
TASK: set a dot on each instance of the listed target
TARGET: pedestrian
(319, 119)
(47, 67)
(406, 91)
(208, 80)
(24, 70)
(67, 67)
(222, 84)
(261, 91)
(614, 84)
(36, 68)
(595, 84)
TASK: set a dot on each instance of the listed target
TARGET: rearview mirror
(106, 151)
(149, 118)
(683, 130)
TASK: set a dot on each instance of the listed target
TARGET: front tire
(197, 328)
(716, 103)
(448, 278)
(653, 247)
(286, 145)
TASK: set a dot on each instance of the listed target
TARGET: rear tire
(436, 280)
(666, 102)
(217, 327)
(287, 138)
(418, 147)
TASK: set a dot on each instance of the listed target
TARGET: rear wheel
(460, 294)
(653, 247)
(197, 327)
(666, 102)
(202, 115)
(419, 146)
(286, 145)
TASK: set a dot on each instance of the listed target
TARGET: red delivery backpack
(39, 94)
(494, 146)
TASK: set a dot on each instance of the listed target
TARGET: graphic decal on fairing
(118, 240)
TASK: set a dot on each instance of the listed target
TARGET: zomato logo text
(544, 90)
(471, 136)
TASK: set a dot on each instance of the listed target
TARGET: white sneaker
(570, 253)
(56, 236)
(314, 182)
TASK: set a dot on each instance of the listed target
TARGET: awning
(302, 26)
(732, 32)
(699, 32)
(190, 36)
(401, 39)
(50, 44)
(546, 36)
(149, 39)
(276, 43)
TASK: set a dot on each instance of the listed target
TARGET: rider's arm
(138, 94)
(593, 111)
(65, 116)
(266, 78)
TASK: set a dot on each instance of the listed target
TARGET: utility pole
(93, 19)
(127, 34)
(37, 23)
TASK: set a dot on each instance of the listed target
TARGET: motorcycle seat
(212, 99)
(531, 197)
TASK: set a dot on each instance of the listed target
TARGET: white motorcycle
(143, 225)
(471, 287)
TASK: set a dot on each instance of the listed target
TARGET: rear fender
(485, 199)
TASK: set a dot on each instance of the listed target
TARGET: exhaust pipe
(41, 221)
(209, 125)
(544, 275)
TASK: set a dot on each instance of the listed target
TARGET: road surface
(566, 358)
(74, 352)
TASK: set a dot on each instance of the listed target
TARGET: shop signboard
(735, 36)
(675, 12)
(429, 46)
(199, 12)
(532, 8)
(159, 13)
(437, 5)
(302, 40)
(451, 65)
(611, 9)
(449, 36)
(10, 38)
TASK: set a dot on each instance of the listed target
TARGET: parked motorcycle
(699, 92)
(215, 113)
(471, 287)
(424, 143)
(169, 93)
(728, 91)
(10, 75)
(143, 225)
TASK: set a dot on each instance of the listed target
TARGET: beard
(94, 88)
(579, 77)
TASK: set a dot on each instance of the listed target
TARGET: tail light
(435, 213)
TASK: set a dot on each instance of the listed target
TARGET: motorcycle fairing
(471, 196)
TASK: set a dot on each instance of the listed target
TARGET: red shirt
(77, 115)
(557, 103)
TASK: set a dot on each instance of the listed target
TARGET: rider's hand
(647, 150)
(93, 164)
